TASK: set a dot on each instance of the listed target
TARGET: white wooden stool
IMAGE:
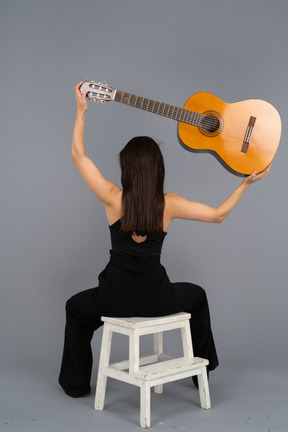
(153, 370)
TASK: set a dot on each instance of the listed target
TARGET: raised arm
(178, 207)
(104, 190)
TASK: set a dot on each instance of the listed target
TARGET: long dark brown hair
(142, 178)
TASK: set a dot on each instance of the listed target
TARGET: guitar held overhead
(245, 134)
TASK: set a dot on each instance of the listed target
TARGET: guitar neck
(160, 108)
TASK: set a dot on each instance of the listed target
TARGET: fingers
(80, 97)
(258, 176)
(266, 171)
(255, 176)
(77, 89)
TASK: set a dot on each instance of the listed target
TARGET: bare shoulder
(172, 203)
(177, 207)
(170, 199)
(113, 207)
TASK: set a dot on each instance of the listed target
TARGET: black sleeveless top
(123, 244)
(134, 282)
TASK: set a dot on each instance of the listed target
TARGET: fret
(178, 114)
(133, 100)
(145, 104)
(168, 111)
(172, 111)
(157, 107)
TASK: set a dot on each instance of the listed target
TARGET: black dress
(134, 283)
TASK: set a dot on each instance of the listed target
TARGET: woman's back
(124, 244)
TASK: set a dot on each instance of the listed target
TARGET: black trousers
(129, 287)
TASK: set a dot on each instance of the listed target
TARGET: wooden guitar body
(233, 120)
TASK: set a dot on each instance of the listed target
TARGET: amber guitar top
(245, 134)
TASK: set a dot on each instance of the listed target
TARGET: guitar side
(233, 121)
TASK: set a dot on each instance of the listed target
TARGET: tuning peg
(95, 100)
(103, 101)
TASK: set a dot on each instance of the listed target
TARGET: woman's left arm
(179, 207)
(224, 209)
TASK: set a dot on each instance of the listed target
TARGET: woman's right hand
(81, 100)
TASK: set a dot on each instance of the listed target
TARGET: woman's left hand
(81, 100)
(255, 176)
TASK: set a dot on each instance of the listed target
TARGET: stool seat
(153, 370)
(144, 322)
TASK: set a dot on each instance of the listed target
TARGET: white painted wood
(134, 347)
(155, 380)
(103, 362)
(133, 322)
(153, 370)
(187, 340)
(158, 349)
(145, 404)
(204, 389)
(170, 367)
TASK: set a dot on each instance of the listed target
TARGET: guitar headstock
(97, 91)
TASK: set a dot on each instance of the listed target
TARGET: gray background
(54, 233)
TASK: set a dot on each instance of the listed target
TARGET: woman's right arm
(182, 208)
(103, 189)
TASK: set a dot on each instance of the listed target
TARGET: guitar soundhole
(210, 124)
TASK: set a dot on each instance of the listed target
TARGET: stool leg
(145, 403)
(204, 389)
(158, 349)
(134, 351)
(103, 362)
(187, 340)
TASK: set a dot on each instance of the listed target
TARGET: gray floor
(243, 399)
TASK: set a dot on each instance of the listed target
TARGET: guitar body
(227, 140)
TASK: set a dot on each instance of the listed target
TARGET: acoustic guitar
(245, 135)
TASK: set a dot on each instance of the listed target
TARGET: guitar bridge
(248, 134)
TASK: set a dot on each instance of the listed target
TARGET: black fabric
(124, 244)
(130, 285)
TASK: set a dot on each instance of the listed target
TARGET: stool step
(170, 367)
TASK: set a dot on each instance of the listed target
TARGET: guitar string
(146, 103)
(230, 129)
(183, 116)
(187, 117)
(235, 131)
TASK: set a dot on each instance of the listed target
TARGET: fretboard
(160, 108)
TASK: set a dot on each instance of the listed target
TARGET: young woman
(134, 283)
